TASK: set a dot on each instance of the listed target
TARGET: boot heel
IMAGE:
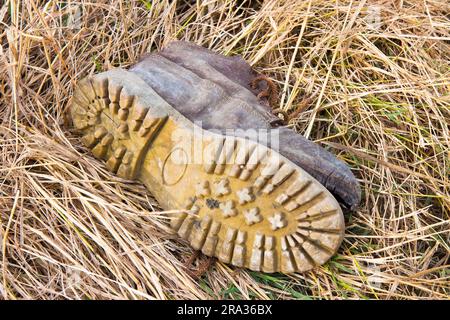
(115, 124)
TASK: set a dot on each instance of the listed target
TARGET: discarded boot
(243, 202)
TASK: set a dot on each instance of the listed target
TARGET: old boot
(239, 200)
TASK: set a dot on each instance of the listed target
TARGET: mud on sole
(239, 200)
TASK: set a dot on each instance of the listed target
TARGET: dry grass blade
(375, 76)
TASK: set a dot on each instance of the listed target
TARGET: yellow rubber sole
(239, 201)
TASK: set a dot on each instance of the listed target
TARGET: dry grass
(379, 100)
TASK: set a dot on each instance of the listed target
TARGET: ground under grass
(368, 80)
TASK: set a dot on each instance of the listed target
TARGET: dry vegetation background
(378, 98)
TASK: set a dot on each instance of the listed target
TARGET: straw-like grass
(379, 99)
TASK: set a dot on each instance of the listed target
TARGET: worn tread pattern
(245, 204)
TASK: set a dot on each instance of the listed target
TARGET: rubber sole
(239, 201)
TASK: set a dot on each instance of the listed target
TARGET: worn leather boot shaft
(215, 90)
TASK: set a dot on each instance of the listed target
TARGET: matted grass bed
(368, 80)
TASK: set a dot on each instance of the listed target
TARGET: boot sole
(239, 200)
